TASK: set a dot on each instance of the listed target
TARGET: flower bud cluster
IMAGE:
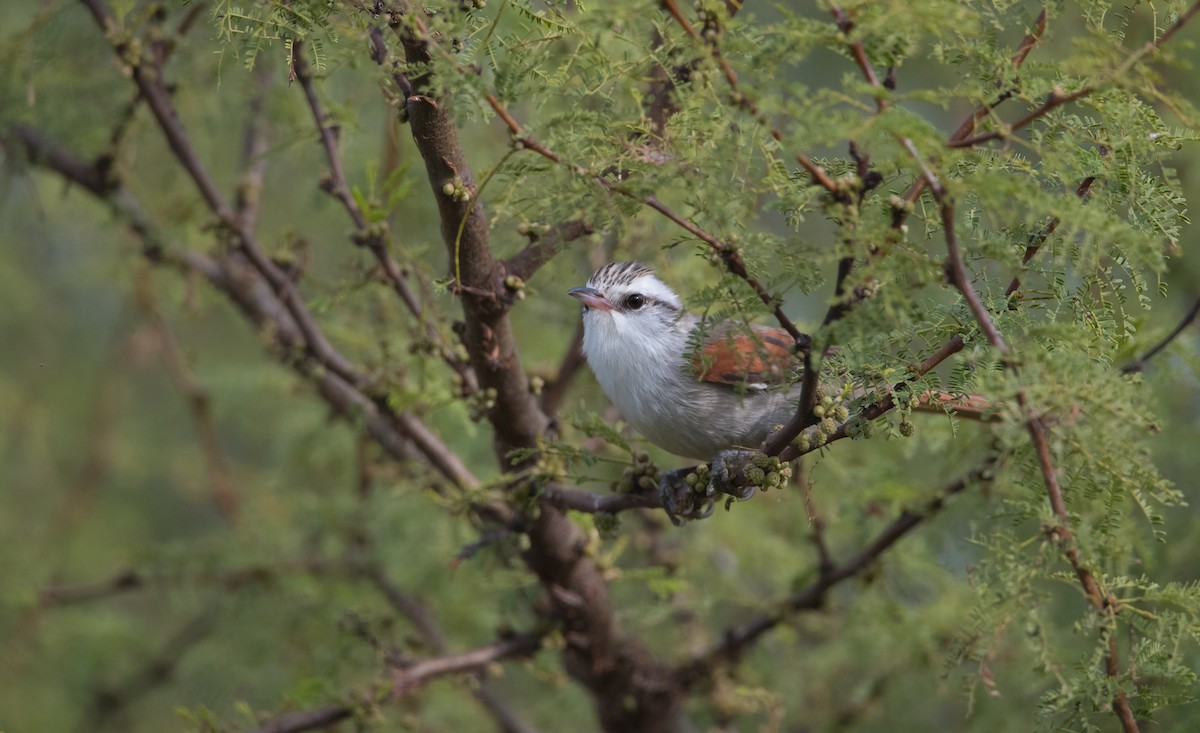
(768, 472)
(516, 286)
(641, 476)
(480, 403)
(457, 189)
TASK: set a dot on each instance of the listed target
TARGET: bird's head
(626, 300)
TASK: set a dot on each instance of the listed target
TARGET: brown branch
(420, 617)
(373, 238)
(1057, 98)
(1139, 364)
(587, 502)
(148, 77)
(411, 677)
(400, 434)
(572, 361)
(846, 26)
(743, 101)
(543, 247)
(110, 701)
(735, 642)
(957, 271)
(221, 487)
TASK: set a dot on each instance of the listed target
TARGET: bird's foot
(691, 493)
(728, 474)
(685, 494)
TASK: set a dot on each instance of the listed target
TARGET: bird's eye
(635, 301)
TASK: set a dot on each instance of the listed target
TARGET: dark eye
(635, 301)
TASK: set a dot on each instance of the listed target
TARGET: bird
(693, 387)
(711, 391)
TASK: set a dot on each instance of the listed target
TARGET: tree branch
(736, 641)
(543, 247)
(631, 690)
(221, 487)
(397, 433)
(742, 100)
(1037, 431)
(1058, 98)
(411, 677)
(1139, 364)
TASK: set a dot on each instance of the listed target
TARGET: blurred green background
(102, 475)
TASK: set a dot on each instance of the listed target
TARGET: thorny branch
(1139, 364)
(1058, 98)
(372, 236)
(731, 257)
(1062, 534)
(735, 642)
(630, 689)
(742, 100)
(408, 678)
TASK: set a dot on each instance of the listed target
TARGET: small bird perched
(711, 391)
(691, 387)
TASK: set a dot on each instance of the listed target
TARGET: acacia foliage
(405, 171)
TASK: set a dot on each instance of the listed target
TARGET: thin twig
(591, 503)
(411, 677)
(846, 25)
(1036, 242)
(736, 641)
(373, 238)
(743, 100)
(959, 277)
(221, 487)
(1058, 98)
(1139, 364)
(108, 702)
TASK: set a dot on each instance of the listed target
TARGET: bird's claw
(682, 500)
(727, 467)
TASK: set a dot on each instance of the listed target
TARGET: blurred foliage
(258, 607)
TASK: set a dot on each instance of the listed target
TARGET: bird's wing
(746, 357)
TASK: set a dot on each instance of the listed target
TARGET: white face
(624, 301)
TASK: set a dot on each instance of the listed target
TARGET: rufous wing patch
(753, 359)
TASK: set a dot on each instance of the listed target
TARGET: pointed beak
(591, 298)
